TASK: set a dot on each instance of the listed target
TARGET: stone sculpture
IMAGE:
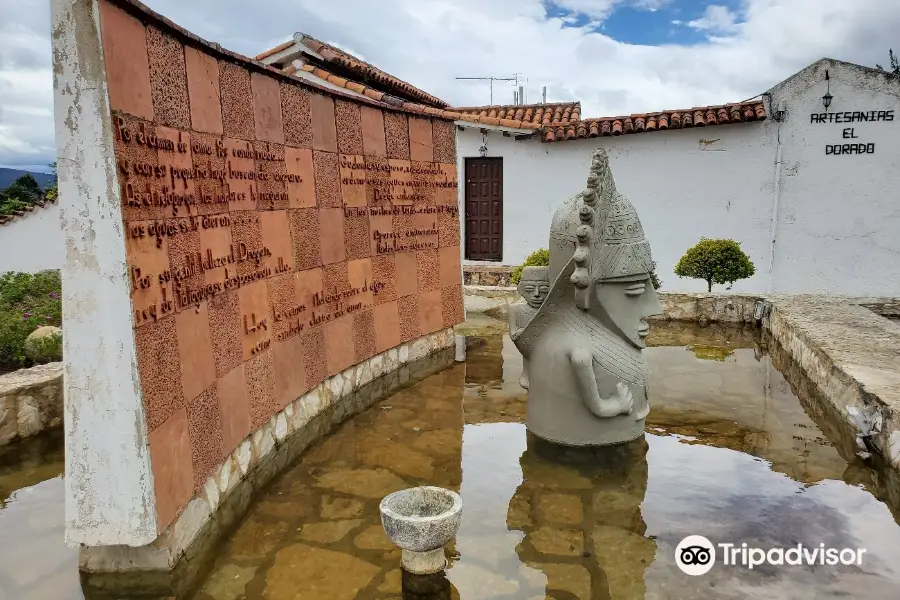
(588, 333)
(534, 285)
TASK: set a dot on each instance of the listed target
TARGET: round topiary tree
(715, 261)
(538, 258)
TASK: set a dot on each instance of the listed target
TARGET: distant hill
(7, 176)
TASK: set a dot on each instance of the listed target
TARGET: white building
(812, 194)
(32, 240)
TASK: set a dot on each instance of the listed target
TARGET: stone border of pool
(174, 562)
(843, 345)
(31, 401)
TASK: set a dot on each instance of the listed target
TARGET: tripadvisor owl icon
(695, 555)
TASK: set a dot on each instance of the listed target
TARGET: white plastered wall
(837, 218)
(109, 483)
(32, 242)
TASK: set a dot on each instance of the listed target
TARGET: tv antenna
(492, 80)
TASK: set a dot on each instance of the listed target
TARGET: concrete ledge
(851, 354)
(172, 564)
(31, 401)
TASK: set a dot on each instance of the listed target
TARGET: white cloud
(716, 18)
(430, 42)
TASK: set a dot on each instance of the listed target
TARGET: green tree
(894, 67)
(715, 261)
(53, 191)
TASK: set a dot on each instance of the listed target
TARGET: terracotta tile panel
(359, 276)
(403, 226)
(215, 247)
(304, 224)
(431, 316)
(307, 284)
(283, 297)
(173, 473)
(203, 91)
(296, 111)
(407, 273)
(246, 234)
(234, 408)
(314, 365)
(146, 262)
(225, 331)
(159, 370)
(364, 341)
(356, 235)
(384, 279)
(339, 344)
(452, 306)
(428, 270)
(381, 229)
(349, 127)
(127, 65)
(129, 153)
(290, 374)
(448, 229)
(353, 180)
(448, 193)
(444, 136)
(198, 369)
(421, 144)
(259, 372)
(178, 160)
(326, 166)
(373, 131)
(331, 231)
(276, 235)
(323, 123)
(267, 108)
(299, 162)
(242, 189)
(451, 270)
(205, 430)
(410, 320)
(205, 155)
(168, 80)
(387, 326)
(272, 191)
(256, 318)
(187, 274)
(237, 104)
(396, 133)
(335, 279)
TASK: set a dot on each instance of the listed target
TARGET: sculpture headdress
(609, 241)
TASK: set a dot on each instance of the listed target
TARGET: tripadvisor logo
(696, 555)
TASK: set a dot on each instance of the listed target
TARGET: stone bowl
(421, 521)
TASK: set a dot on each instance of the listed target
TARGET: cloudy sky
(616, 56)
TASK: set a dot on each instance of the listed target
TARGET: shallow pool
(730, 453)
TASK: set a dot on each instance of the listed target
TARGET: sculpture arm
(583, 367)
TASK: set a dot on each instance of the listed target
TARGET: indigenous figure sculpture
(534, 286)
(589, 388)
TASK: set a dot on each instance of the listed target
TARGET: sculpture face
(534, 291)
(625, 304)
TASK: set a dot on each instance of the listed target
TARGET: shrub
(715, 261)
(538, 258)
(654, 278)
(27, 301)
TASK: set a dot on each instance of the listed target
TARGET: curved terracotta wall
(275, 234)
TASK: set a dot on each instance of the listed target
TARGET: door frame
(465, 220)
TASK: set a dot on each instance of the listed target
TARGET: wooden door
(484, 209)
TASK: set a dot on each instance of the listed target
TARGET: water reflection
(36, 563)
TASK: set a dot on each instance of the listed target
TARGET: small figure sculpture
(534, 286)
(587, 335)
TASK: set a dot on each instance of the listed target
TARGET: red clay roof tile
(700, 116)
(529, 114)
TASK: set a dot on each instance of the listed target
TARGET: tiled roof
(535, 114)
(364, 71)
(4, 219)
(701, 116)
(411, 107)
